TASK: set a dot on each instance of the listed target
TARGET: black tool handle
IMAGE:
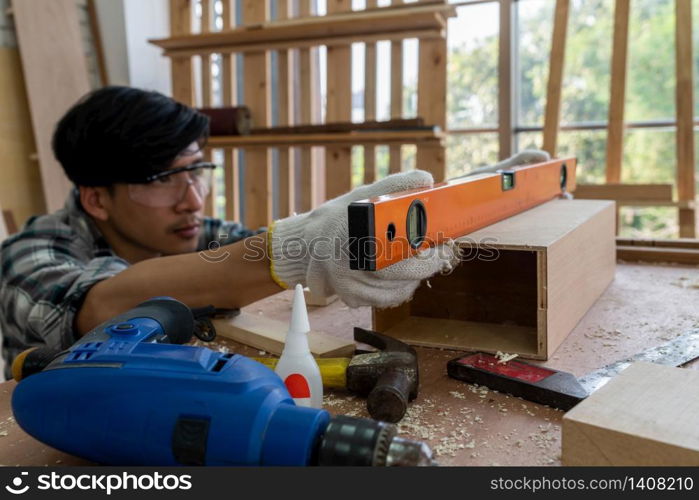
(388, 401)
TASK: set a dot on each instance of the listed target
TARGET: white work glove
(311, 249)
(526, 157)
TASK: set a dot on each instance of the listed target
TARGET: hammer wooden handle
(333, 371)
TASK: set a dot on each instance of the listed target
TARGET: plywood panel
(20, 179)
(258, 167)
(647, 415)
(553, 93)
(56, 76)
(338, 159)
(615, 129)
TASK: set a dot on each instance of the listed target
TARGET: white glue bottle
(297, 367)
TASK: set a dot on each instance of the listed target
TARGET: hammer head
(388, 377)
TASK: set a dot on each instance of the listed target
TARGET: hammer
(388, 377)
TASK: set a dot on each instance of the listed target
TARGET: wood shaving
(504, 357)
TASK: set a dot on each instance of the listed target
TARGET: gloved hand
(311, 249)
(526, 157)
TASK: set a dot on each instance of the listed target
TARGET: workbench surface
(644, 306)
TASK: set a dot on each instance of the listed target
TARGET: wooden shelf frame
(388, 23)
(343, 138)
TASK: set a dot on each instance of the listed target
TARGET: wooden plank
(646, 416)
(432, 103)
(333, 29)
(308, 90)
(96, 34)
(370, 102)
(258, 167)
(553, 93)
(206, 97)
(505, 89)
(230, 98)
(388, 125)
(658, 254)
(686, 243)
(617, 99)
(286, 112)
(338, 160)
(182, 74)
(624, 192)
(344, 139)
(686, 188)
(56, 76)
(269, 335)
(394, 152)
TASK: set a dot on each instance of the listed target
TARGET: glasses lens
(171, 189)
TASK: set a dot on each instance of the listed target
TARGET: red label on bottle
(297, 386)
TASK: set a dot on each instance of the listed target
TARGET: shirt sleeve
(45, 277)
(218, 232)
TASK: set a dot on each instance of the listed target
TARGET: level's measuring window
(508, 180)
(416, 223)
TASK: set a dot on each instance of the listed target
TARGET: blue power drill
(128, 393)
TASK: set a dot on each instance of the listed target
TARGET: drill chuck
(362, 442)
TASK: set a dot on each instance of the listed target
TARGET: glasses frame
(167, 173)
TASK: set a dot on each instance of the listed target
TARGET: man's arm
(231, 281)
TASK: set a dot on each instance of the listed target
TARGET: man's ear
(96, 201)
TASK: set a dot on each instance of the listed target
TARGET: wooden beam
(432, 103)
(505, 87)
(553, 94)
(338, 140)
(338, 160)
(635, 253)
(625, 192)
(269, 335)
(686, 188)
(370, 102)
(182, 76)
(206, 97)
(686, 243)
(286, 112)
(4, 231)
(258, 167)
(230, 98)
(55, 76)
(648, 415)
(97, 40)
(308, 104)
(617, 99)
(394, 152)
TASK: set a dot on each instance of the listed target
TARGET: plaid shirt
(47, 269)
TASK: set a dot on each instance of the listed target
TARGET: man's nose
(192, 201)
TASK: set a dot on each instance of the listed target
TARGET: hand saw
(387, 229)
(561, 389)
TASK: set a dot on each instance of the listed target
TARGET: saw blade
(677, 352)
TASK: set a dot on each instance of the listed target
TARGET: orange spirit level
(387, 229)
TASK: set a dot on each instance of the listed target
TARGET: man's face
(162, 230)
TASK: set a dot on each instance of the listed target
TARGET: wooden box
(522, 286)
(647, 415)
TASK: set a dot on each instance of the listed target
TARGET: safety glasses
(168, 188)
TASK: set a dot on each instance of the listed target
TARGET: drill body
(128, 393)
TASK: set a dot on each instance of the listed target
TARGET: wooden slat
(340, 29)
(338, 160)
(286, 113)
(686, 243)
(617, 99)
(686, 188)
(625, 192)
(395, 157)
(97, 41)
(340, 139)
(658, 254)
(182, 76)
(432, 103)
(206, 96)
(370, 102)
(4, 231)
(505, 108)
(308, 76)
(55, 76)
(555, 82)
(258, 168)
(229, 89)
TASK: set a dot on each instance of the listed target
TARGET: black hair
(123, 134)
